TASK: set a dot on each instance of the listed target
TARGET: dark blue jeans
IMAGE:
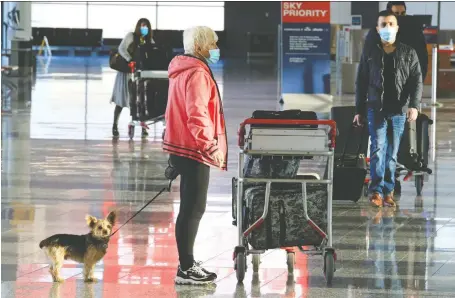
(385, 132)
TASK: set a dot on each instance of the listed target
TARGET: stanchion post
(434, 74)
(279, 65)
(48, 47)
(41, 47)
(434, 89)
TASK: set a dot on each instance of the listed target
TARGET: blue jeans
(385, 132)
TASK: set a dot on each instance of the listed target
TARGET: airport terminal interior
(60, 161)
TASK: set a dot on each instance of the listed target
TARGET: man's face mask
(388, 34)
(387, 28)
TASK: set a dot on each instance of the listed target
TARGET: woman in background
(120, 96)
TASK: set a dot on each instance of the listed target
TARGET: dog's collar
(96, 241)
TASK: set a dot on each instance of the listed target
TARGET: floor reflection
(59, 163)
(383, 249)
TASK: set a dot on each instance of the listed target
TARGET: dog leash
(148, 203)
(171, 174)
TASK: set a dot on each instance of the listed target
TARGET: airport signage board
(305, 52)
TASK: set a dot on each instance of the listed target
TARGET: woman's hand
(218, 156)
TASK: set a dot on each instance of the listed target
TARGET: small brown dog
(87, 249)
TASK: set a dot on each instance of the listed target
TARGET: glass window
(59, 14)
(117, 20)
(175, 3)
(181, 17)
(148, 3)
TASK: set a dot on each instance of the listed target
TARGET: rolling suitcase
(415, 144)
(343, 116)
(285, 225)
(349, 174)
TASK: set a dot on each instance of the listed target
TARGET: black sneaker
(144, 133)
(199, 264)
(115, 132)
(193, 276)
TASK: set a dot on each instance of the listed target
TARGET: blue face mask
(144, 31)
(388, 34)
(214, 56)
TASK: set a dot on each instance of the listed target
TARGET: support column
(368, 10)
(17, 17)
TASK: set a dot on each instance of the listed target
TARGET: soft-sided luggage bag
(415, 144)
(271, 167)
(349, 175)
(285, 225)
(246, 185)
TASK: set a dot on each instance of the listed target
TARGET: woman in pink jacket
(195, 138)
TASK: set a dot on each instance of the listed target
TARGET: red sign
(430, 31)
(305, 12)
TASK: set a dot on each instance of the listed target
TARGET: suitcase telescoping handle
(351, 130)
(253, 121)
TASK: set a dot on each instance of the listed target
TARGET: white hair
(198, 36)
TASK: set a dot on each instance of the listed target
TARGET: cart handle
(249, 121)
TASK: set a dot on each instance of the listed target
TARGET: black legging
(194, 182)
(117, 111)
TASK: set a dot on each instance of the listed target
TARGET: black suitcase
(343, 116)
(287, 114)
(415, 144)
(349, 174)
(151, 56)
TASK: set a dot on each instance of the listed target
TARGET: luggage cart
(144, 81)
(285, 138)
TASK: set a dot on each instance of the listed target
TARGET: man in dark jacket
(414, 38)
(388, 79)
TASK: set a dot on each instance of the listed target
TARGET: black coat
(414, 38)
(370, 81)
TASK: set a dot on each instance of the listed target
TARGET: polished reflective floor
(59, 163)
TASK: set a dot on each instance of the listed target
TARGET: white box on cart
(284, 139)
(154, 74)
